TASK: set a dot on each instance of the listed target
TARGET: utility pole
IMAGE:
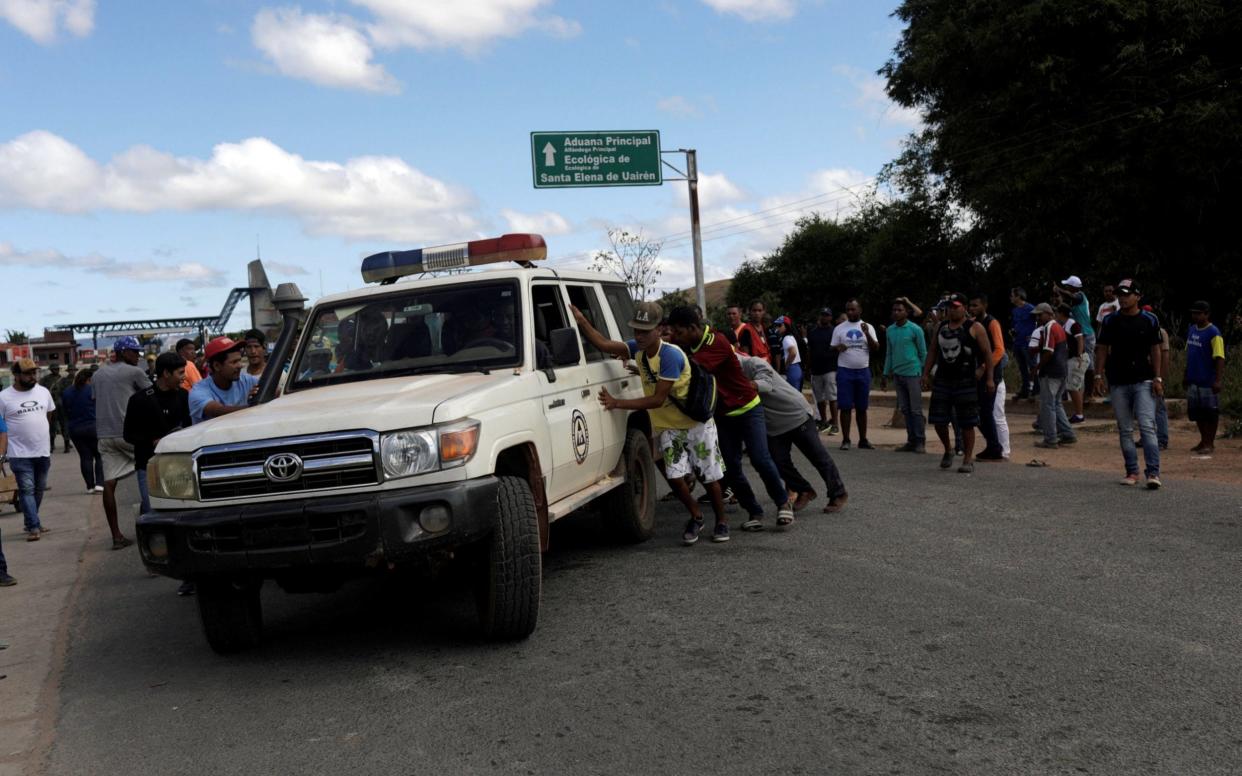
(692, 181)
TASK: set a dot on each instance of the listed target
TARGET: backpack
(700, 402)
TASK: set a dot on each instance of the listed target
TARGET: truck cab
(434, 420)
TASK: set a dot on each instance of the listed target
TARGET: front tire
(629, 510)
(511, 577)
(232, 615)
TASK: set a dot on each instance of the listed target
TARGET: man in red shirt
(739, 416)
(752, 339)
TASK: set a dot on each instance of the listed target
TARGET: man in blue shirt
(903, 361)
(1205, 371)
(228, 388)
(1023, 327)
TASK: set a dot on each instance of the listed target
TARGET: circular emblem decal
(581, 439)
(282, 467)
(28, 404)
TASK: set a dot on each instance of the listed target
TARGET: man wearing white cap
(1080, 311)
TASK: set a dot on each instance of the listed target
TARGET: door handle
(557, 403)
(586, 392)
(625, 383)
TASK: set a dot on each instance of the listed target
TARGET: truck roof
(488, 273)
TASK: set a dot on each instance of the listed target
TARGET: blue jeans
(1053, 421)
(1030, 384)
(806, 439)
(144, 495)
(31, 476)
(1130, 403)
(793, 373)
(1162, 422)
(910, 402)
(749, 429)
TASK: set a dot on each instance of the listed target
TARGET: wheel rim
(638, 476)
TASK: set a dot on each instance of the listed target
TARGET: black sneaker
(7, 581)
(720, 533)
(863, 444)
(691, 535)
(187, 588)
(946, 460)
(845, 445)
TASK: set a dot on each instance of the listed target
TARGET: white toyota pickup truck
(442, 419)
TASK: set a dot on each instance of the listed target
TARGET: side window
(622, 305)
(586, 300)
(548, 313)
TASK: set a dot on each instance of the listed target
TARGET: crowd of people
(114, 415)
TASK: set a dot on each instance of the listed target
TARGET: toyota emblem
(282, 467)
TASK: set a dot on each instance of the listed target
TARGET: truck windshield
(467, 327)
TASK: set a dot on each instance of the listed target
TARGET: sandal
(1037, 463)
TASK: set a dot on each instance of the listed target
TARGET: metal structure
(691, 177)
(213, 325)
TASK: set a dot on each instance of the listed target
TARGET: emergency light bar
(388, 266)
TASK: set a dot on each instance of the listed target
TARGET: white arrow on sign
(549, 155)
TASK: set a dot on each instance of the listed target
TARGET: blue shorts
(1201, 403)
(853, 388)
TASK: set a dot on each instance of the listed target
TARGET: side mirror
(565, 347)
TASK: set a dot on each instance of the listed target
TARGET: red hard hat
(220, 345)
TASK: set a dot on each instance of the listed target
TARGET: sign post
(575, 159)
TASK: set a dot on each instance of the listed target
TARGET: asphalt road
(1014, 621)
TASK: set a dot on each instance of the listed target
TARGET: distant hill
(716, 291)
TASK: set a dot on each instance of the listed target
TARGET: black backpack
(700, 402)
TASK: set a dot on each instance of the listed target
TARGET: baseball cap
(781, 319)
(24, 365)
(826, 311)
(1127, 286)
(126, 343)
(1200, 307)
(220, 345)
(1072, 281)
(955, 300)
(647, 316)
(1043, 307)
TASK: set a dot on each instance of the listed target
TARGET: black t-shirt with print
(1129, 339)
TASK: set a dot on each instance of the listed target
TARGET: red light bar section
(509, 247)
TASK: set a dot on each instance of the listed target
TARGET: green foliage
(16, 337)
(1094, 137)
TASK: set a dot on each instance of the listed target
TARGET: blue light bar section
(391, 264)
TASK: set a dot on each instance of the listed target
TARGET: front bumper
(350, 532)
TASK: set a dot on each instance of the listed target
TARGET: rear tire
(511, 574)
(629, 509)
(232, 615)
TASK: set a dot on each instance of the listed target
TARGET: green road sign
(562, 160)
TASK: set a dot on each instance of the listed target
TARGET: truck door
(604, 371)
(571, 409)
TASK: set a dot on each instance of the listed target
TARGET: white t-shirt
(1107, 309)
(25, 413)
(857, 354)
(789, 342)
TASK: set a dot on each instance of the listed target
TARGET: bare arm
(872, 343)
(609, 346)
(654, 401)
(985, 347)
(1157, 366)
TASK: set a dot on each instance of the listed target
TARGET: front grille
(279, 532)
(328, 462)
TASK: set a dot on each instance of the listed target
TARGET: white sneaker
(99, 488)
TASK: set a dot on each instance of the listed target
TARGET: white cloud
(367, 197)
(285, 268)
(677, 105)
(43, 19)
(715, 191)
(465, 24)
(754, 10)
(329, 50)
(873, 100)
(194, 274)
(545, 223)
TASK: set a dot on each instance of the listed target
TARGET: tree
(633, 258)
(1092, 137)
(16, 337)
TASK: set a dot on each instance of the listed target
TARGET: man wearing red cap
(227, 388)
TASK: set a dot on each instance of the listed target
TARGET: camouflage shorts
(687, 450)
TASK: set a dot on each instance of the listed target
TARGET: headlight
(422, 450)
(171, 475)
(406, 453)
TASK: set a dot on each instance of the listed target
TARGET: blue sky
(146, 147)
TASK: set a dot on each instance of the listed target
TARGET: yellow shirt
(651, 372)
